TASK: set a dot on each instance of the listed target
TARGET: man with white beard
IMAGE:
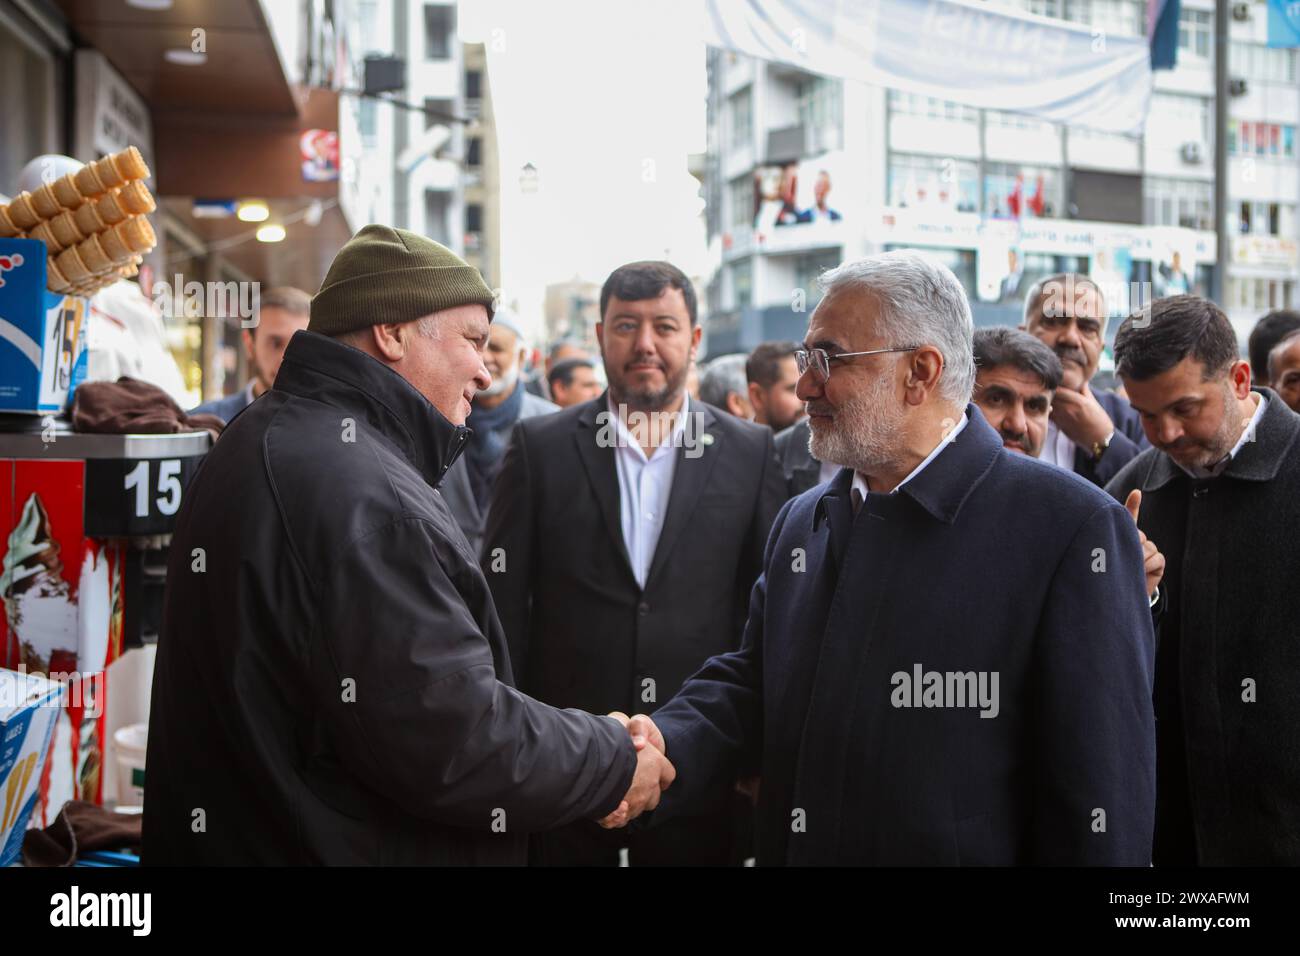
(948, 657)
(496, 409)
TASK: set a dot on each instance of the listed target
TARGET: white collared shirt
(828, 471)
(644, 486)
(1058, 449)
(1247, 434)
(860, 482)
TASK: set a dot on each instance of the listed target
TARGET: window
(436, 112)
(742, 283)
(473, 84)
(1264, 218)
(1247, 138)
(1119, 17)
(366, 120)
(438, 30)
(913, 104)
(474, 152)
(1260, 295)
(741, 190)
(1013, 191)
(367, 17)
(819, 103)
(933, 181)
(1179, 202)
(436, 205)
(808, 270)
(473, 217)
(740, 109)
(1255, 61)
(1195, 32)
(997, 118)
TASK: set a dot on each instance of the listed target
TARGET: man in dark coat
(802, 471)
(1092, 433)
(1221, 496)
(623, 539)
(332, 684)
(948, 657)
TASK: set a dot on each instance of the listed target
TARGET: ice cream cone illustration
(38, 601)
(15, 787)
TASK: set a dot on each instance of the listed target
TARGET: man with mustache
(948, 657)
(1093, 434)
(1221, 493)
(623, 540)
(1015, 378)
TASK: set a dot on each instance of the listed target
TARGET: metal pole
(1223, 249)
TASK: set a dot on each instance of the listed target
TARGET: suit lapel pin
(706, 439)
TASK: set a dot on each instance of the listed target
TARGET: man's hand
(644, 735)
(653, 776)
(1153, 562)
(1081, 417)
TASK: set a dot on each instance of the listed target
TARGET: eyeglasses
(819, 360)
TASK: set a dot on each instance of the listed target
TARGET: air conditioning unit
(1241, 12)
(1191, 153)
(1237, 87)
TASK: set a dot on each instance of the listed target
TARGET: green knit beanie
(384, 275)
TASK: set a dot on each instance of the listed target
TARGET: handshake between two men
(654, 773)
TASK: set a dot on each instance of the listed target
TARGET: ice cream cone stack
(92, 222)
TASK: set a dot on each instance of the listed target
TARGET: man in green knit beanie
(332, 684)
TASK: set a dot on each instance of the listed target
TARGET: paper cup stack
(92, 223)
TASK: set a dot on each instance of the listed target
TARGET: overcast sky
(606, 98)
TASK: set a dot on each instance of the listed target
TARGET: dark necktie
(856, 497)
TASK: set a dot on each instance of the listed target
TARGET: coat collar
(321, 369)
(1258, 460)
(943, 486)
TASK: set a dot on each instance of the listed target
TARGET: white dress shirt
(860, 483)
(644, 486)
(1058, 449)
(828, 471)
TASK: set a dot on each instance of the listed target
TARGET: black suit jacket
(1126, 444)
(581, 632)
(802, 470)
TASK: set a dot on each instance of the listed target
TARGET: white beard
(503, 385)
(865, 432)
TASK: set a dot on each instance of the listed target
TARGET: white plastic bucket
(129, 742)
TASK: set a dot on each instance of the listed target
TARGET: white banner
(962, 50)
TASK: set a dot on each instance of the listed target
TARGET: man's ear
(755, 393)
(923, 373)
(695, 339)
(1239, 375)
(247, 336)
(390, 340)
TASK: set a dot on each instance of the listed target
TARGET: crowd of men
(904, 593)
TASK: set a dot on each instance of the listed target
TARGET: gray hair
(427, 325)
(1062, 288)
(723, 376)
(921, 303)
